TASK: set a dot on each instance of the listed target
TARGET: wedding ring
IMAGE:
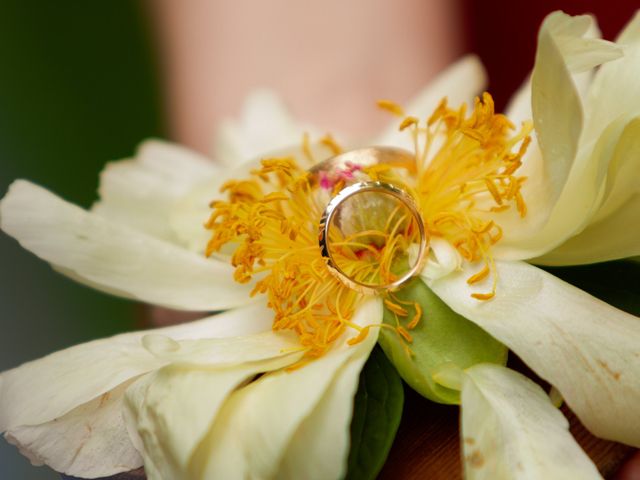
(363, 210)
(367, 157)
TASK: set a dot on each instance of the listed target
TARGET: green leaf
(613, 282)
(376, 417)
(442, 342)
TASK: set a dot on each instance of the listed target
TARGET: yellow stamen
(329, 142)
(395, 308)
(408, 122)
(391, 107)
(471, 174)
(483, 296)
(481, 275)
(462, 183)
(306, 148)
(406, 335)
(416, 317)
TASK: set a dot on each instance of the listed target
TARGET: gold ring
(364, 158)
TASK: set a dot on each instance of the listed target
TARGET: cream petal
(221, 351)
(613, 238)
(569, 213)
(174, 409)
(265, 126)
(557, 113)
(516, 228)
(552, 220)
(140, 192)
(442, 260)
(460, 83)
(579, 42)
(510, 430)
(256, 426)
(565, 189)
(89, 441)
(48, 388)
(320, 447)
(609, 236)
(587, 349)
(113, 257)
(518, 109)
(556, 107)
(615, 89)
(623, 170)
(188, 215)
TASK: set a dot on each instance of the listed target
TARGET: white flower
(191, 410)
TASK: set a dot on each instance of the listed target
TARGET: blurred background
(82, 83)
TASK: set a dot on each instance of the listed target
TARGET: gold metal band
(325, 223)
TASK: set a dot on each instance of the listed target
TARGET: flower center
(273, 221)
(463, 178)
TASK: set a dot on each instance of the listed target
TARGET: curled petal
(443, 259)
(565, 187)
(578, 41)
(89, 441)
(587, 349)
(254, 430)
(115, 258)
(608, 239)
(174, 408)
(610, 236)
(324, 434)
(42, 390)
(615, 90)
(510, 430)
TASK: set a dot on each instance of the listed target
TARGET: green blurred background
(78, 87)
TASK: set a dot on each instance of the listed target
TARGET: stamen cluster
(465, 175)
(272, 219)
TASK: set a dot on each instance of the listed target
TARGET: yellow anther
(404, 334)
(483, 296)
(395, 308)
(360, 337)
(408, 122)
(392, 107)
(473, 134)
(416, 317)
(493, 190)
(481, 275)
(306, 148)
(329, 142)
(440, 111)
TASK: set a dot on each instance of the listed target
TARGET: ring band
(366, 157)
(325, 223)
